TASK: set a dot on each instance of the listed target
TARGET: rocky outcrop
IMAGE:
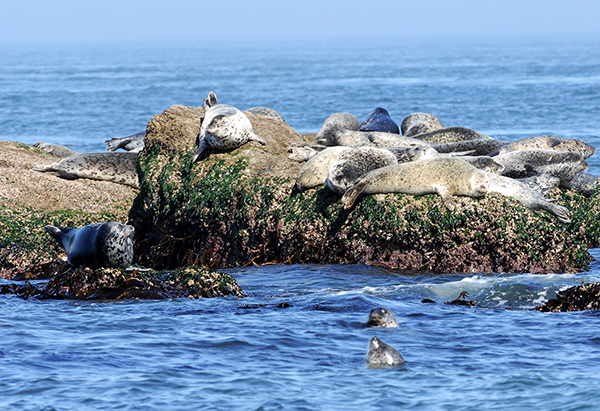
(239, 208)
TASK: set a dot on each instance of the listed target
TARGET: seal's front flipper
(254, 137)
(447, 198)
(202, 152)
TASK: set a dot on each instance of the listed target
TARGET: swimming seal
(547, 143)
(337, 121)
(381, 317)
(419, 123)
(381, 355)
(379, 120)
(117, 167)
(224, 128)
(266, 112)
(96, 245)
(447, 177)
(55, 150)
(133, 143)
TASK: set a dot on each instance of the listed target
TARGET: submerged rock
(239, 208)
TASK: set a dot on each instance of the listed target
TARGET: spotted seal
(382, 355)
(527, 163)
(481, 147)
(133, 143)
(96, 245)
(224, 128)
(447, 177)
(118, 167)
(379, 120)
(55, 150)
(266, 112)
(547, 143)
(314, 172)
(356, 138)
(337, 121)
(381, 317)
(353, 164)
(584, 183)
(541, 183)
(419, 123)
(450, 135)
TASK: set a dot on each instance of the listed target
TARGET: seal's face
(480, 184)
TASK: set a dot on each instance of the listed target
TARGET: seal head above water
(381, 317)
(382, 355)
(96, 245)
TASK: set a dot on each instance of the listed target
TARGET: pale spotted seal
(419, 123)
(353, 164)
(224, 128)
(133, 143)
(266, 112)
(118, 167)
(527, 163)
(379, 120)
(447, 177)
(314, 172)
(541, 183)
(450, 135)
(355, 138)
(547, 143)
(482, 147)
(55, 150)
(381, 317)
(382, 355)
(96, 245)
(337, 121)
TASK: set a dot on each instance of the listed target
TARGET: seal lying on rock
(541, 183)
(381, 355)
(584, 183)
(419, 123)
(116, 167)
(450, 135)
(224, 128)
(337, 121)
(96, 245)
(379, 120)
(314, 172)
(356, 138)
(547, 143)
(266, 112)
(447, 177)
(381, 317)
(133, 143)
(481, 147)
(55, 150)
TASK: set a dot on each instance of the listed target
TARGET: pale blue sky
(84, 21)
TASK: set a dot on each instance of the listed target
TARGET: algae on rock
(239, 208)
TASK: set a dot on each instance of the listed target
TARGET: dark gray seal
(584, 183)
(133, 143)
(96, 245)
(419, 123)
(356, 138)
(266, 112)
(55, 150)
(117, 167)
(541, 183)
(337, 121)
(379, 120)
(381, 317)
(381, 355)
(224, 128)
(481, 147)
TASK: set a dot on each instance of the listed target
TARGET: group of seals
(96, 245)
(380, 354)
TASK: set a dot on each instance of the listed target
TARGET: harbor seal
(337, 121)
(419, 123)
(381, 317)
(55, 150)
(353, 164)
(117, 167)
(584, 183)
(450, 135)
(314, 172)
(133, 143)
(224, 128)
(541, 183)
(356, 138)
(547, 143)
(379, 120)
(480, 147)
(447, 177)
(382, 355)
(527, 163)
(96, 245)
(266, 112)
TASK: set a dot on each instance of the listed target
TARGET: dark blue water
(254, 353)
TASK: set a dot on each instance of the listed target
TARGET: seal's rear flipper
(254, 137)
(58, 233)
(202, 152)
(350, 196)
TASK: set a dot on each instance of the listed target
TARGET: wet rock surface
(579, 298)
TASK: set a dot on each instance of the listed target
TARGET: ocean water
(297, 341)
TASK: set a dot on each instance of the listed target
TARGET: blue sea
(297, 340)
